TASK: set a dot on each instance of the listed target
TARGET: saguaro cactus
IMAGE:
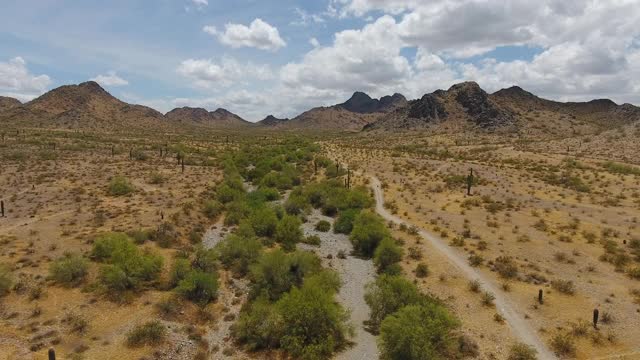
(183, 164)
(540, 300)
(2, 208)
(52, 354)
(469, 182)
(596, 314)
(348, 178)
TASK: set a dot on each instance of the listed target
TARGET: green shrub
(259, 326)
(119, 185)
(6, 280)
(417, 332)
(127, 267)
(140, 236)
(276, 272)
(387, 256)
(387, 294)
(165, 235)
(323, 226)
(522, 351)
(199, 287)
(179, 271)
(564, 286)
(237, 253)
(205, 259)
(368, 231)
(212, 209)
(422, 270)
(563, 345)
(315, 325)
(344, 222)
(150, 333)
(312, 240)
(506, 267)
(69, 270)
(264, 221)
(288, 232)
(157, 178)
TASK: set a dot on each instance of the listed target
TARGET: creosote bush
(69, 270)
(199, 287)
(522, 351)
(126, 267)
(323, 226)
(150, 333)
(120, 185)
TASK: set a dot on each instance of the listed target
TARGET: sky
(283, 57)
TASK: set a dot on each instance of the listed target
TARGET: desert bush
(120, 185)
(288, 232)
(522, 351)
(264, 221)
(344, 222)
(564, 286)
(69, 270)
(276, 272)
(6, 280)
(165, 235)
(179, 271)
(506, 267)
(368, 231)
(312, 240)
(205, 259)
(212, 209)
(387, 256)
(157, 178)
(315, 324)
(563, 345)
(418, 332)
(323, 226)
(260, 326)
(127, 267)
(150, 333)
(422, 270)
(237, 253)
(199, 287)
(387, 294)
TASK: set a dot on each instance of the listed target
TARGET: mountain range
(463, 106)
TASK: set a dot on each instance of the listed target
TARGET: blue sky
(282, 57)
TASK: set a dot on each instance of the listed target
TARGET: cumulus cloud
(17, 81)
(258, 34)
(110, 79)
(368, 58)
(211, 74)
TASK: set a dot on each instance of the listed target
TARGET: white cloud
(200, 2)
(314, 42)
(16, 80)
(368, 59)
(110, 79)
(209, 74)
(258, 34)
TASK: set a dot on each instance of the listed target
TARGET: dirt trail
(515, 320)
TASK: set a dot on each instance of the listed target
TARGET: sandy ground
(355, 274)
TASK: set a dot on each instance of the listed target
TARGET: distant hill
(467, 106)
(7, 103)
(363, 104)
(83, 106)
(463, 107)
(219, 118)
(352, 115)
(271, 121)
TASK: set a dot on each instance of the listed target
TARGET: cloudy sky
(281, 57)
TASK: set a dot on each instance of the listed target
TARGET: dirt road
(516, 321)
